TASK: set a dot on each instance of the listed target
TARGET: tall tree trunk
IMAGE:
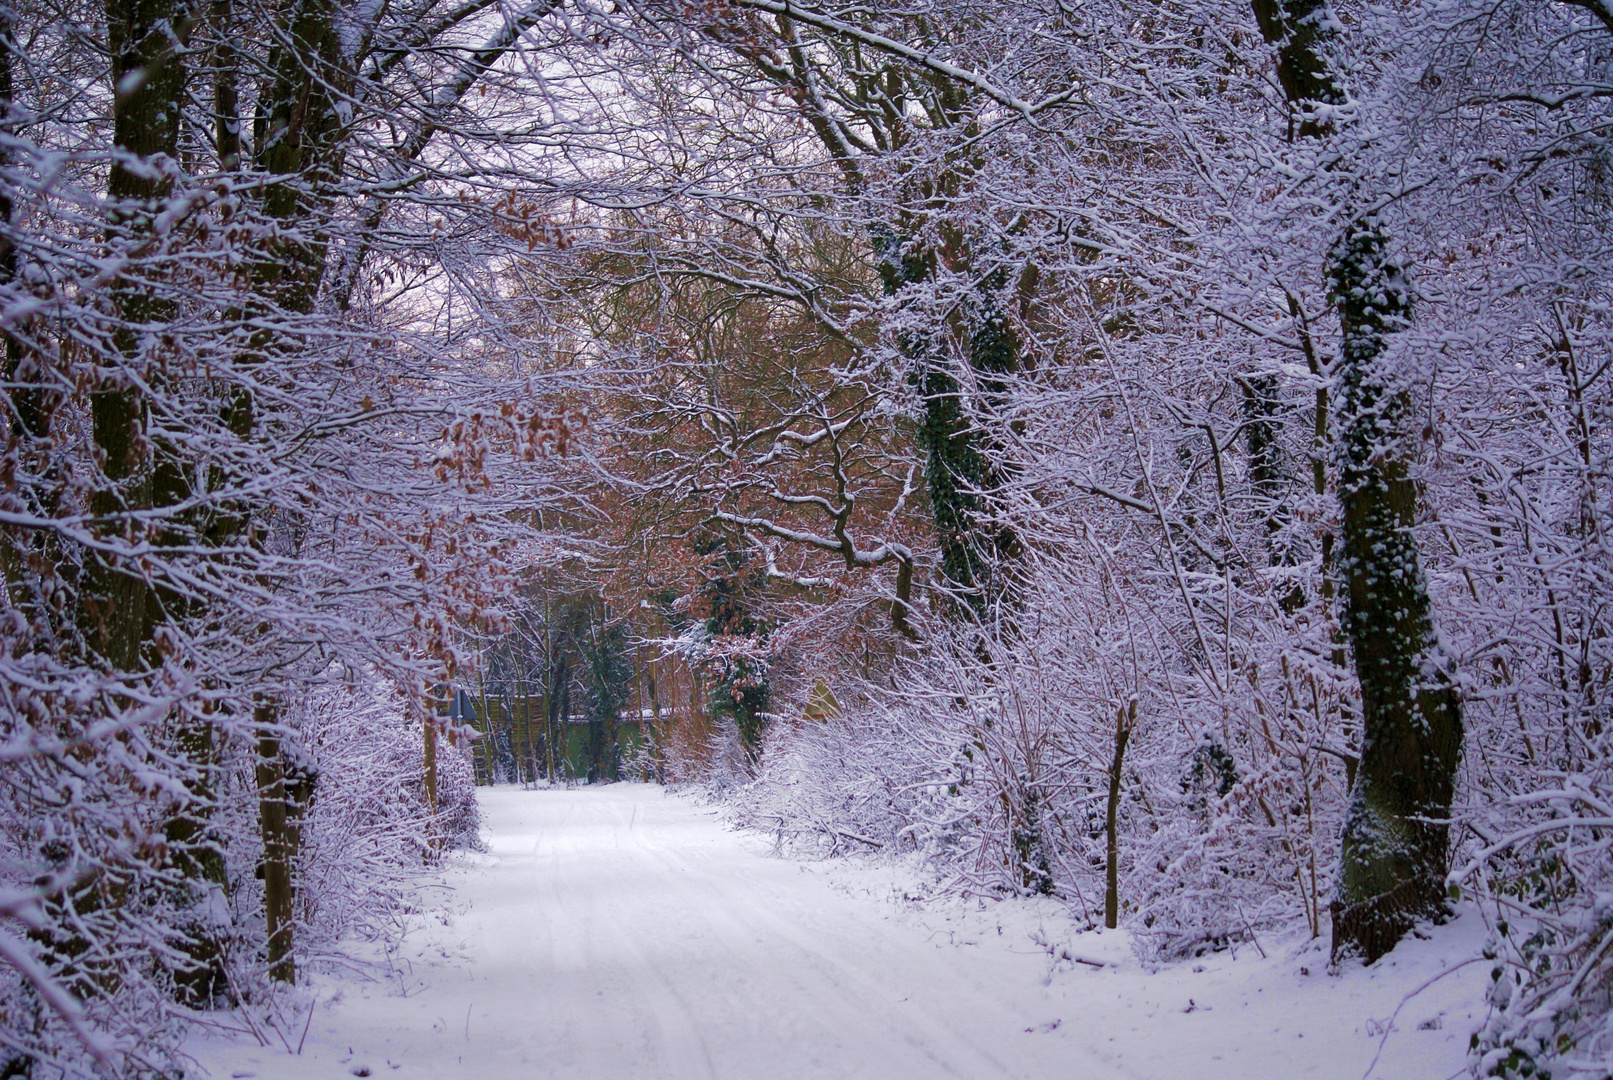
(226, 96)
(482, 748)
(548, 735)
(964, 463)
(31, 558)
(558, 705)
(197, 852)
(428, 731)
(299, 144)
(1395, 844)
(657, 745)
(119, 609)
(525, 762)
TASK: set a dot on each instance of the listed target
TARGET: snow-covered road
(616, 932)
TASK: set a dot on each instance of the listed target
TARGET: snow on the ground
(618, 932)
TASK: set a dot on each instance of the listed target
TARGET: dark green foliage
(956, 472)
(742, 695)
(1212, 767)
(608, 680)
(1033, 868)
(741, 691)
(554, 688)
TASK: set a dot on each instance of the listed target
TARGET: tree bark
(299, 143)
(197, 852)
(119, 609)
(30, 558)
(287, 779)
(278, 849)
(1125, 720)
(428, 732)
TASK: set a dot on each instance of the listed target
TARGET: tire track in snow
(870, 1012)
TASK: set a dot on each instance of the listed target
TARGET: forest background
(1155, 456)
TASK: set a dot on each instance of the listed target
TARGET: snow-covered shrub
(858, 782)
(109, 912)
(991, 761)
(134, 934)
(1550, 887)
(368, 829)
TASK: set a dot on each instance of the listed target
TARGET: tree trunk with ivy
(1395, 843)
(979, 551)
